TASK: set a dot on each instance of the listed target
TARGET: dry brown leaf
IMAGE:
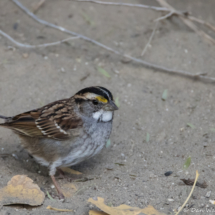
(69, 189)
(123, 209)
(58, 209)
(21, 190)
(70, 171)
(190, 182)
(92, 212)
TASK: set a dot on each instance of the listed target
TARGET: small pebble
(15, 156)
(205, 144)
(15, 26)
(168, 173)
(208, 194)
(25, 55)
(52, 186)
(170, 200)
(62, 69)
(116, 71)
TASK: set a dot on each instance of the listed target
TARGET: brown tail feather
(5, 120)
(3, 117)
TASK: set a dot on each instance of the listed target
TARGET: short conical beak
(111, 106)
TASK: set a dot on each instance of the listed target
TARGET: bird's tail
(3, 122)
(3, 117)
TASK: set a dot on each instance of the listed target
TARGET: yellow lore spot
(101, 99)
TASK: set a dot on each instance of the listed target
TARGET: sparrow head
(96, 102)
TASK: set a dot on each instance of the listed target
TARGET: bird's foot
(60, 193)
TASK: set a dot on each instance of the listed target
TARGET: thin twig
(150, 39)
(187, 22)
(35, 46)
(145, 63)
(58, 209)
(197, 175)
(201, 22)
(126, 4)
(5, 155)
(38, 6)
(63, 29)
(165, 17)
(173, 12)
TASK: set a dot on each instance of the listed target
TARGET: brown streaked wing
(52, 121)
(57, 119)
(24, 124)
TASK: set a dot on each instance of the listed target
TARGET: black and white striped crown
(100, 91)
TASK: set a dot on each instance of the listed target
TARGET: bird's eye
(95, 102)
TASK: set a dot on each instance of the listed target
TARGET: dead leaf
(58, 209)
(104, 72)
(190, 182)
(211, 201)
(86, 76)
(164, 95)
(92, 212)
(123, 209)
(120, 164)
(117, 102)
(84, 179)
(21, 190)
(70, 171)
(187, 162)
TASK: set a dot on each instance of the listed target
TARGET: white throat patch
(104, 116)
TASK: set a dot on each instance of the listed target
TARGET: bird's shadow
(26, 162)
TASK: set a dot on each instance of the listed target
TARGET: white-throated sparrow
(68, 131)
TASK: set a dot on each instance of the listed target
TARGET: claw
(60, 193)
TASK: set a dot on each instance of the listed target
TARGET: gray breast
(90, 143)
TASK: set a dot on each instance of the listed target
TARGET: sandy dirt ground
(33, 78)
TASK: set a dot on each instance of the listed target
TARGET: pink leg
(60, 193)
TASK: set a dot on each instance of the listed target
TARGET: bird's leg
(60, 193)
